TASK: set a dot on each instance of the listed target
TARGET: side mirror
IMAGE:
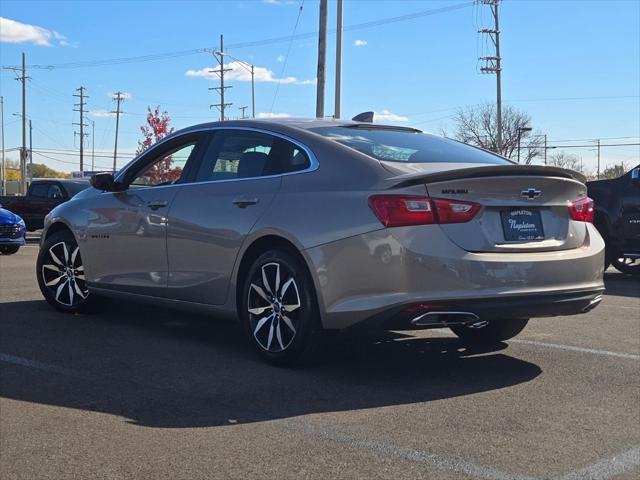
(635, 175)
(103, 181)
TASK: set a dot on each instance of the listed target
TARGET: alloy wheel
(627, 264)
(274, 307)
(63, 274)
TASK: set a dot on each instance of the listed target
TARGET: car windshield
(74, 188)
(395, 145)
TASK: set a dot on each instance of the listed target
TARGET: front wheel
(9, 249)
(60, 274)
(279, 309)
(493, 331)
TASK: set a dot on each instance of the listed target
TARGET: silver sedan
(300, 227)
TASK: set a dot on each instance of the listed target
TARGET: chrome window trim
(314, 165)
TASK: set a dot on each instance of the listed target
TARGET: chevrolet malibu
(302, 227)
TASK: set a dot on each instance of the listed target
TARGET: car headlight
(21, 223)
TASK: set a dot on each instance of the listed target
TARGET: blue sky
(574, 66)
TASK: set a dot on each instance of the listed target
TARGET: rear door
(127, 230)
(238, 179)
(630, 218)
(36, 201)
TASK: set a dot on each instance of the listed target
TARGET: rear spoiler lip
(410, 179)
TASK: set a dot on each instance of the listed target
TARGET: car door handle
(154, 205)
(243, 202)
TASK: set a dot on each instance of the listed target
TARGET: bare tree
(614, 171)
(564, 160)
(477, 126)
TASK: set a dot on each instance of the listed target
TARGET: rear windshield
(407, 146)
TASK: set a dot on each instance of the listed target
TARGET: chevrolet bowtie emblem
(531, 193)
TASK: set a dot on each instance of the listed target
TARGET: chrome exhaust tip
(592, 304)
(444, 319)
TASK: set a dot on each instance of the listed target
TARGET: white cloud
(12, 31)
(273, 115)
(386, 116)
(124, 95)
(360, 43)
(101, 113)
(240, 73)
(279, 2)
(280, 58)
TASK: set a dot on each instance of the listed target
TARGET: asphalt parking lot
(140, 392)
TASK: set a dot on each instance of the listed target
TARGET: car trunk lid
(523, 208)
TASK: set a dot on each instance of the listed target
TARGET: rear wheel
(493, 331)
(279, 309)
(9, 249)
(60, 274)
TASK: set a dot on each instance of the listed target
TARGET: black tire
(60, 274)
(626, 265)
(9, 249)
(495, 331)
(284, 328)
(607, 259)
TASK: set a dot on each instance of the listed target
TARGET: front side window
(238, 154)
(165, 170)
(55, 192)
(40, 190)
(407, 146)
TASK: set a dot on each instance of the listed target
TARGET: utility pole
(492, 64)
(598, 173)
(80, 109)
(253, 92)
(2, 167)
(322, 59)
(93, 145)
(336, 111)
(220, 72)
(23, 150)
(545, 148)
(30, 153)
(242, 109)
(119, 97)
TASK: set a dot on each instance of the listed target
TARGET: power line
(254, 43)
(286, 57)
(593, 146)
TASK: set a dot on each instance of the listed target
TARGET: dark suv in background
(617, 218)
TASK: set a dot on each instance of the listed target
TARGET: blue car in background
(12, 232)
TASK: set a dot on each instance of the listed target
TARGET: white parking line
(386, 450)
(601, 470)
(608, 353)
(47, 367)
(608, 467)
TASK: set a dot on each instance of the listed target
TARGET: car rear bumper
(384, 274)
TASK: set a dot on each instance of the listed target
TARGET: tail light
(582, 210)
(405, 210)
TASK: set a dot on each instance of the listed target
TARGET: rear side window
(40, 190)
(238, 154)
(406, 146)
